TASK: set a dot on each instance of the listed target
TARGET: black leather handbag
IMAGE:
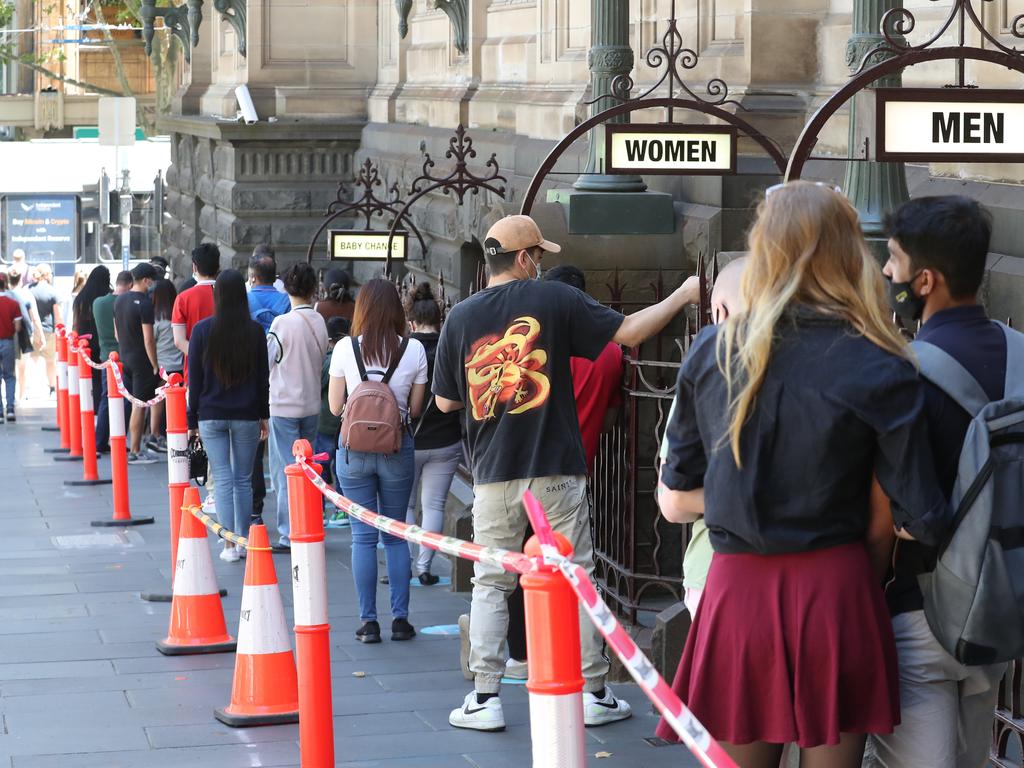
(198, 463)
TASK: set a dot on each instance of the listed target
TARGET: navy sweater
(208, 399)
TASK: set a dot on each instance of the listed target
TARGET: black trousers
(259, 483)
(516, 637)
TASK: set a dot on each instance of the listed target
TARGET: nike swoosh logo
(469, 711)
(606, 706)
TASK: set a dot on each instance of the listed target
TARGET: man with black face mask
(937, 252)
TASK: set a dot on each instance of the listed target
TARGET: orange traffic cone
(265, 690)
(197, 617)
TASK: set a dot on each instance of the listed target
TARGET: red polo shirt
(190, 307)
(598, 386)
(9, 312)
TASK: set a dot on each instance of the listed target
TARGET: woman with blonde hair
(784, 414)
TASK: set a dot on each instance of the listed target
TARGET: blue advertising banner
(45, 227)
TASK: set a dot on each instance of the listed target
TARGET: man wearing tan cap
(504, 356)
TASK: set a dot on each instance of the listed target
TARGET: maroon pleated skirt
(794, 648)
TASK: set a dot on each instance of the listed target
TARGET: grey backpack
(974, 600)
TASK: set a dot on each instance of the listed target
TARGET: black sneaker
(11, 418)
(369, 632)
(427, 579)
(401, 629)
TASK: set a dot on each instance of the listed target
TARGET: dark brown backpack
(372, 421)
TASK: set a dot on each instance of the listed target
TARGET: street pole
(874, 188)
(126, 221)
(609, 57)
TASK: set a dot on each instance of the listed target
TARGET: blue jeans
(103, 413)
(328, 444)
(7, 371)
(284, 431)
(231, 448)
(381, 483)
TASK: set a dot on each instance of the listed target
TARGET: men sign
(365, 244)
(945, 124)
(670, 149)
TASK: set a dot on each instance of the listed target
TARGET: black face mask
(905, 303)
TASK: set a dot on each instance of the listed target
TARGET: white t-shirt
(412, 369)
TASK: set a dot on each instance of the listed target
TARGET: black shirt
(132, 310)
(435, 429)
(504, 353)
(833, 409)
(979, 345)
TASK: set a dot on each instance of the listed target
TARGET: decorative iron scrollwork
(403, 8)
(183, 21)
(898, 23)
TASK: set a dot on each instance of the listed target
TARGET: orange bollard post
(118, 454)
(73, 414)
(265, 687)
(555, 680)
(62, 393)
(90, 470)
(312, 632)
(197, 616)
(177, 470)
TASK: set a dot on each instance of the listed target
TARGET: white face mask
(536, 267)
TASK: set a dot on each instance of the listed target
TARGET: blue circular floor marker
(443, 581)
(445, 630)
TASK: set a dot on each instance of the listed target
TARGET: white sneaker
(478, 717)
(229, 555)
(516, 670)
(603, 711)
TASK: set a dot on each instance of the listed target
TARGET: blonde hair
(806, 248)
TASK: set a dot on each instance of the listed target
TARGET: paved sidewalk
(82, 684)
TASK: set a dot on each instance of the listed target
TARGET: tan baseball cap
(514, 233)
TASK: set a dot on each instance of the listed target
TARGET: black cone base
(168, 649)
(121, 523)
(248, 721)
(166, 597)
(56, 450)
(101, 481)
(67, 457)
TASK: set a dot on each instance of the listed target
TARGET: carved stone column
(874, 188)
(609, 57)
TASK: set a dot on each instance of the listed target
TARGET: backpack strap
(394, 363)
(943, 370)
(359, 357)
(1014, 386)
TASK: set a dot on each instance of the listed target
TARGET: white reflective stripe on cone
(62, 375)
(73, 384)
(261, 626)
(309, 583)
(115, 410)
(85, 397)
(177, 457)
(193, 571)
(556, 729)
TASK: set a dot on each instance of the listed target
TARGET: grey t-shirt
(46, 299)
(168, 356)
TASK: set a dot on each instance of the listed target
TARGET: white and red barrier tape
(515, 562)
(694, 735)
(161, 394)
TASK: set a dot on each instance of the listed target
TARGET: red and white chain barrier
(694, 735)
(516, 562)
(161, 392)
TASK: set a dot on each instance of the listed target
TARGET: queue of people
(814, 460)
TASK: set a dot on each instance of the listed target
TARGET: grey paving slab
(83, 686)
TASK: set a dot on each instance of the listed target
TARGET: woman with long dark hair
(83, 323)
(229, 399)
(437, 436)
(380, 482)
(168, 356)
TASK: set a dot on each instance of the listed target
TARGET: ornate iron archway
(893, 55)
